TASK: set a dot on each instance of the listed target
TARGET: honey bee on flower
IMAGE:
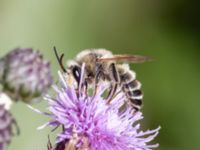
(89, 123)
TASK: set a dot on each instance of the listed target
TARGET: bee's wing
(126, 58)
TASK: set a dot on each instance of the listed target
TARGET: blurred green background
(167, 30)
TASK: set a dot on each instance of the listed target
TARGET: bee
(102, 65)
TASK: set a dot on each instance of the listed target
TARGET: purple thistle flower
(89, 123)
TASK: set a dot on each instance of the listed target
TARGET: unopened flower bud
(24, 74)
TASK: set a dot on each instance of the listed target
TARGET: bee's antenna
(60, 59)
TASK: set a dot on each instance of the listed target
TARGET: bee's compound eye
(76, 71)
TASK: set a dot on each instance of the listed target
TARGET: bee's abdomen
(132, 90)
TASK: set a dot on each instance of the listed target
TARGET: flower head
(24, 74)
(89, 123)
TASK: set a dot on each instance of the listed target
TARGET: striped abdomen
(132, 89)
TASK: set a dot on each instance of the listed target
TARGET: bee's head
(88, 75)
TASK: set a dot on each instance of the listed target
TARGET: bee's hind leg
(116, 78)
(98, 77)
